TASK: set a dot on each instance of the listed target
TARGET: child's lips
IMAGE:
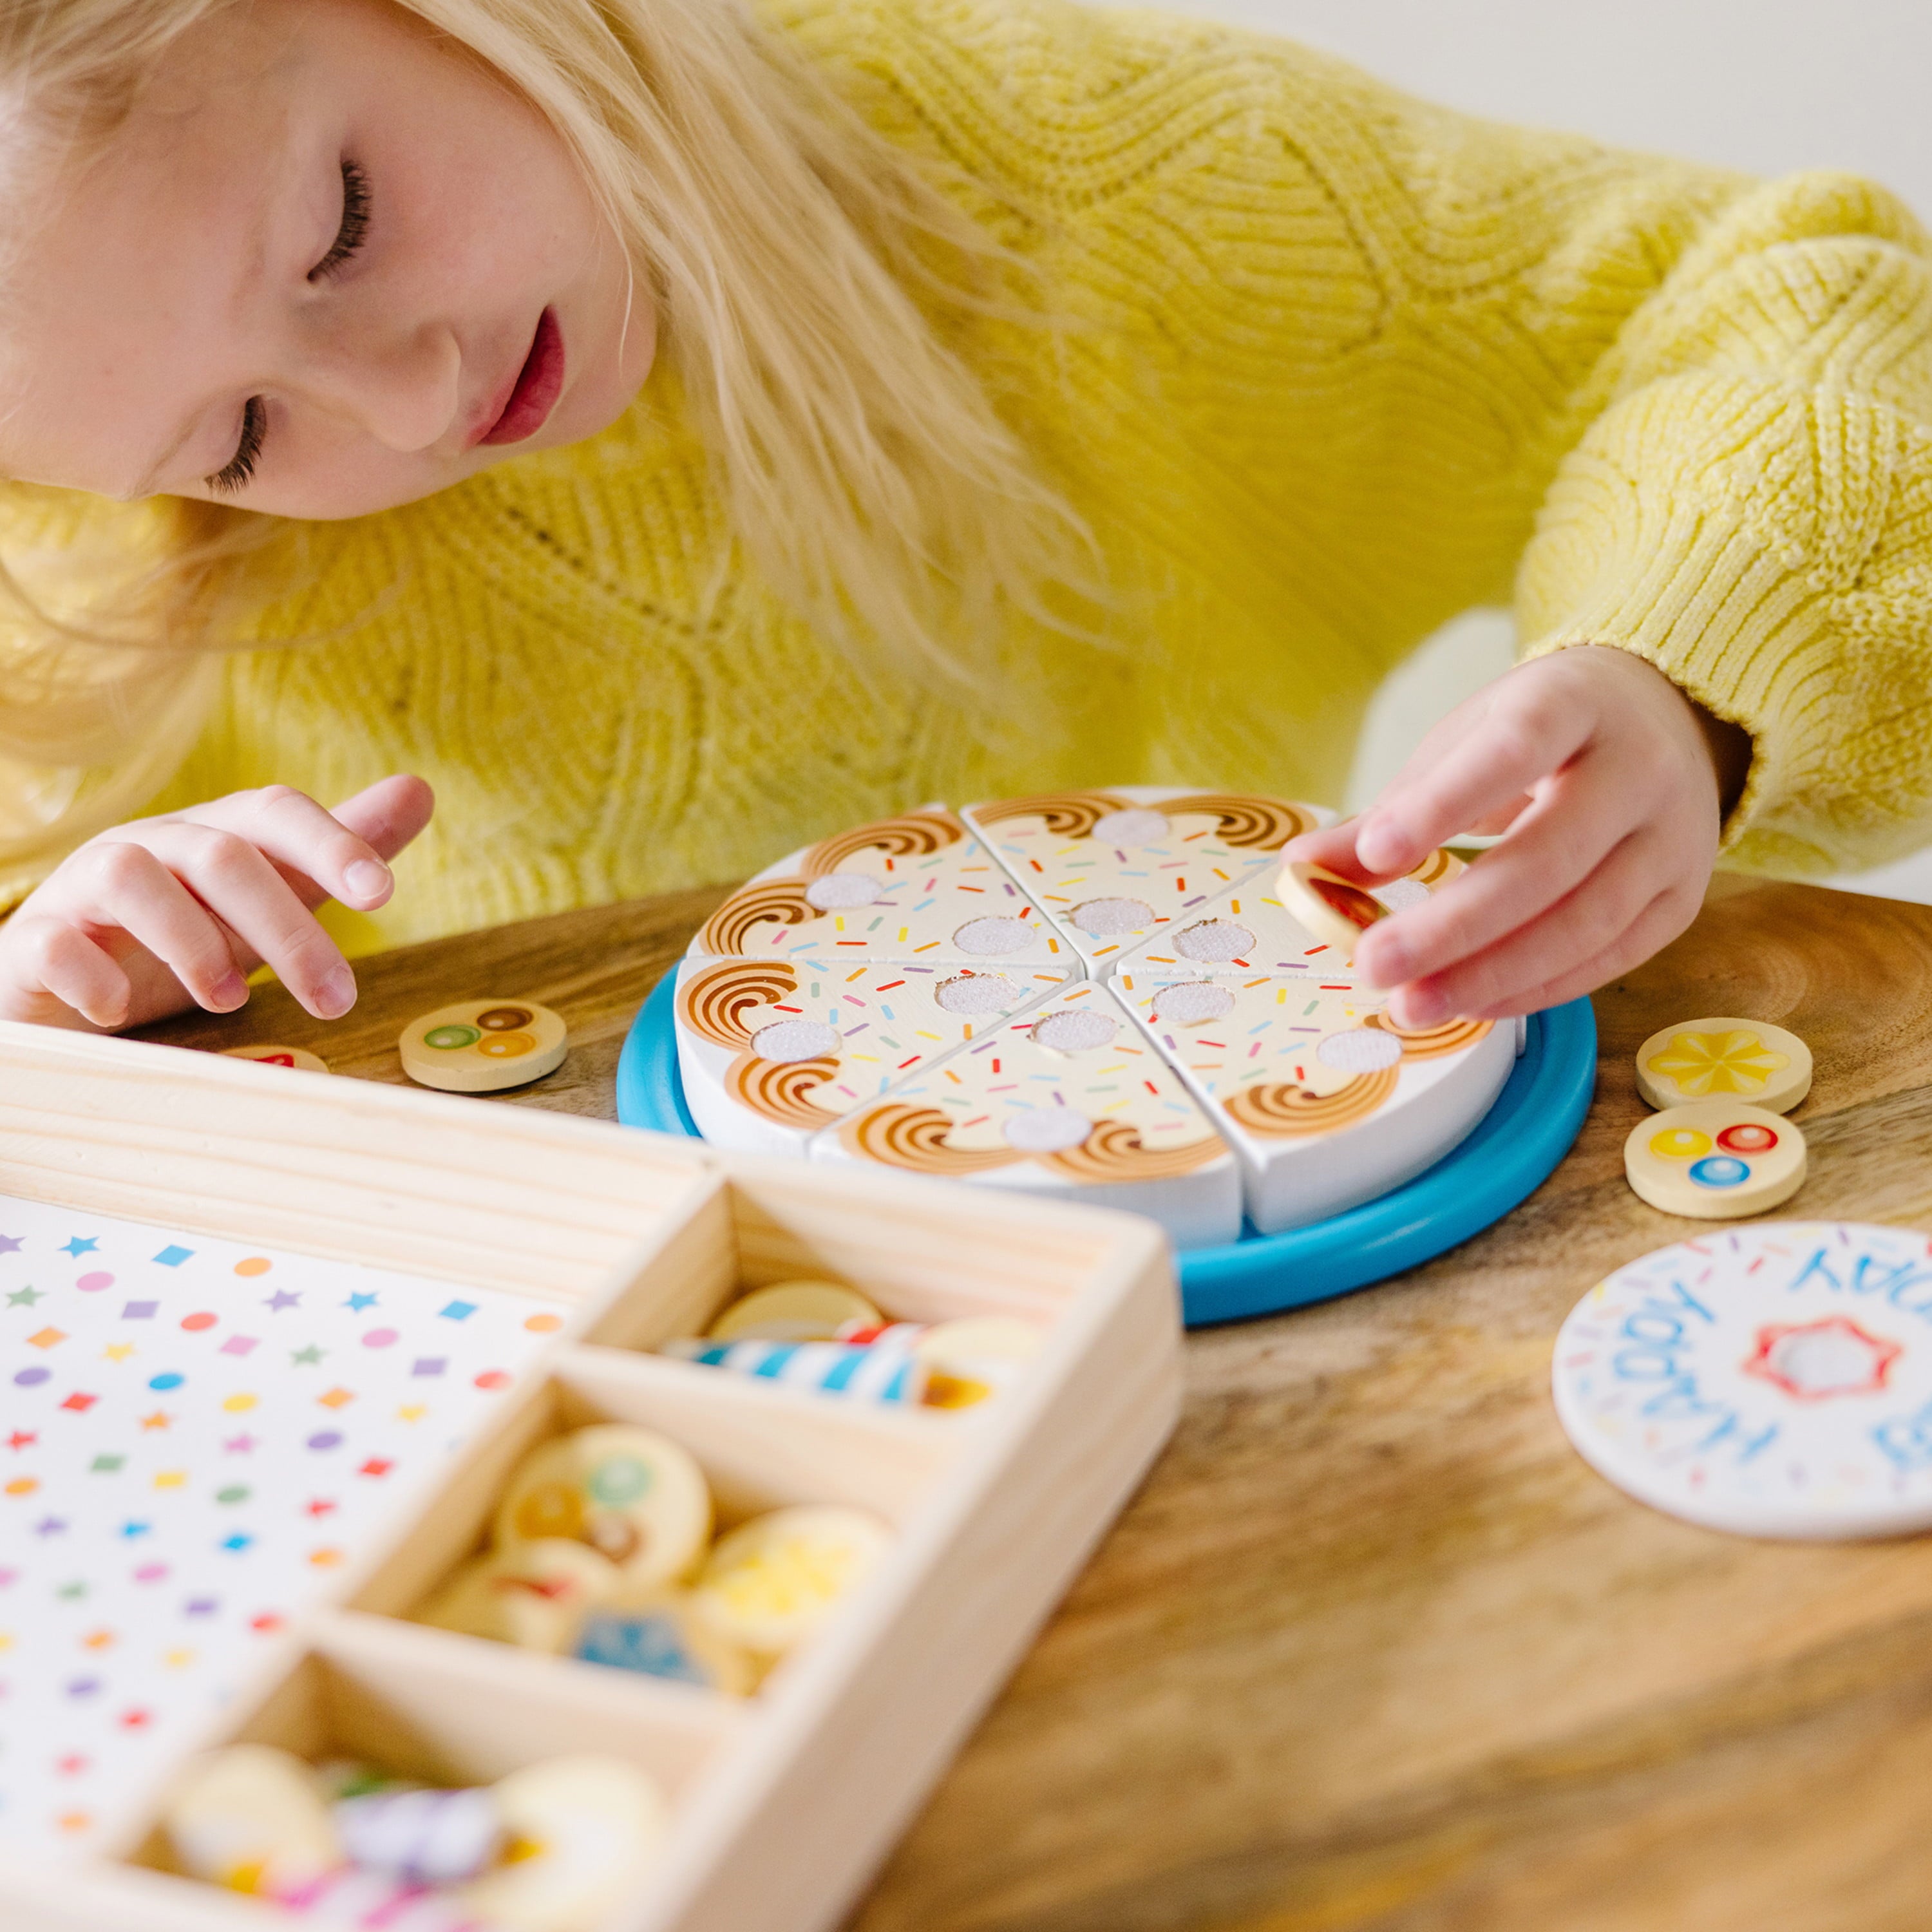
(534, 392)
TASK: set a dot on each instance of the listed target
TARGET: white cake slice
(1068, 1099)
(1111, 867)
(772, 1050)
(918, 887)
(1327, 1102)
(1247, 930)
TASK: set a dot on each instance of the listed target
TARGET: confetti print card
(196, 1439)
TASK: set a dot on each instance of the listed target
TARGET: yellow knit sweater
(1340, 365)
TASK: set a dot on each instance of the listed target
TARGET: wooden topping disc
(770, 1583)
(278, 1056)
(585, 1829)
(1337, 911)
(1714, 1160)
(663, 1636)
(482, 1046)
(633, 1495)
(1711, 1059)
(794, 1311)
(532, 1595)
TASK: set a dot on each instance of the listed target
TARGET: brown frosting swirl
(1280, 1110)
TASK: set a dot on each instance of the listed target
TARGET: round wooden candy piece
(583, 1829)
(664, 1636)
(250, 1817)
(1714, 1160)
(1774, 1380)
(1717, 1059)
(794, 1311)
(771, 1582)
(968, 1360)
(530, 1593)
(1335, 910)
(632, 1495)
(278, 1056)
(423, 1837)
(482, 1046)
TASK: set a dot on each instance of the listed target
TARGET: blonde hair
(803, 268)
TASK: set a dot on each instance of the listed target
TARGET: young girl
(676, 435)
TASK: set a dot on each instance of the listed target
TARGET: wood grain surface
(1373, 1648)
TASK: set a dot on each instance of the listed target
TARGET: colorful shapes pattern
(186, 1464)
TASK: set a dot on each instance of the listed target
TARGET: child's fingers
(1523, 732)
(1554, 848)
(116, 882)
(1583, 924)
(51, 956)
(1659, 922)
(228, 876)
(390, 813)
(1333, 846)
(297, 834)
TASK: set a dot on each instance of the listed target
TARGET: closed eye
(242, 466)
(354, 231)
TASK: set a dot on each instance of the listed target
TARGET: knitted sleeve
(1750, 511)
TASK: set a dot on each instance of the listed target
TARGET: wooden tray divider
(495, 1197)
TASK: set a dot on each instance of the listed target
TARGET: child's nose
(405, 392)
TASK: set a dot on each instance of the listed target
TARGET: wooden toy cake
(1094, 995)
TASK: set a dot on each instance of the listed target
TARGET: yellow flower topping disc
(1716, 1059)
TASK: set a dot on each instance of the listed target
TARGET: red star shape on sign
(1812, 1361)
(21, 1438)
(321, 1506)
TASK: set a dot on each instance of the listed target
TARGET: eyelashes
(241, 466)
(355, 228)
(350, 235)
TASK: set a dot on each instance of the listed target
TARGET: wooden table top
(1373, 1648)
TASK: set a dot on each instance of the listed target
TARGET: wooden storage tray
(783, 1803)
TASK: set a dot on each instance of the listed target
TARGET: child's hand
(1610, 783)
(152, 917)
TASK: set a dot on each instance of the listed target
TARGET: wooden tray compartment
(761, 1448)
(785, 1801)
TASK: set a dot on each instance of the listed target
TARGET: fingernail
(1381, 848)
(367, 879)
(336, 994)
(228, 992)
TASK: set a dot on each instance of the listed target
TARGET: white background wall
(1765, 85)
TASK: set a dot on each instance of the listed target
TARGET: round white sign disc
(1773, 1380)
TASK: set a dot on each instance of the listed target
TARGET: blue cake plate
(1537, 1116)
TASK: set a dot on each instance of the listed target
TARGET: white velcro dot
(1399, 894)
(1108, 919)
(839, 891)
(1215, 941)
(1079, 1030)
(795, 1040)
(972, 993)
(1194, 1004)
(991, 938)
(1137, 826)
(1046, 1129)
(1361, 1050)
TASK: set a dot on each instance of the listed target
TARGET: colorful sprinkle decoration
(196, 1439)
